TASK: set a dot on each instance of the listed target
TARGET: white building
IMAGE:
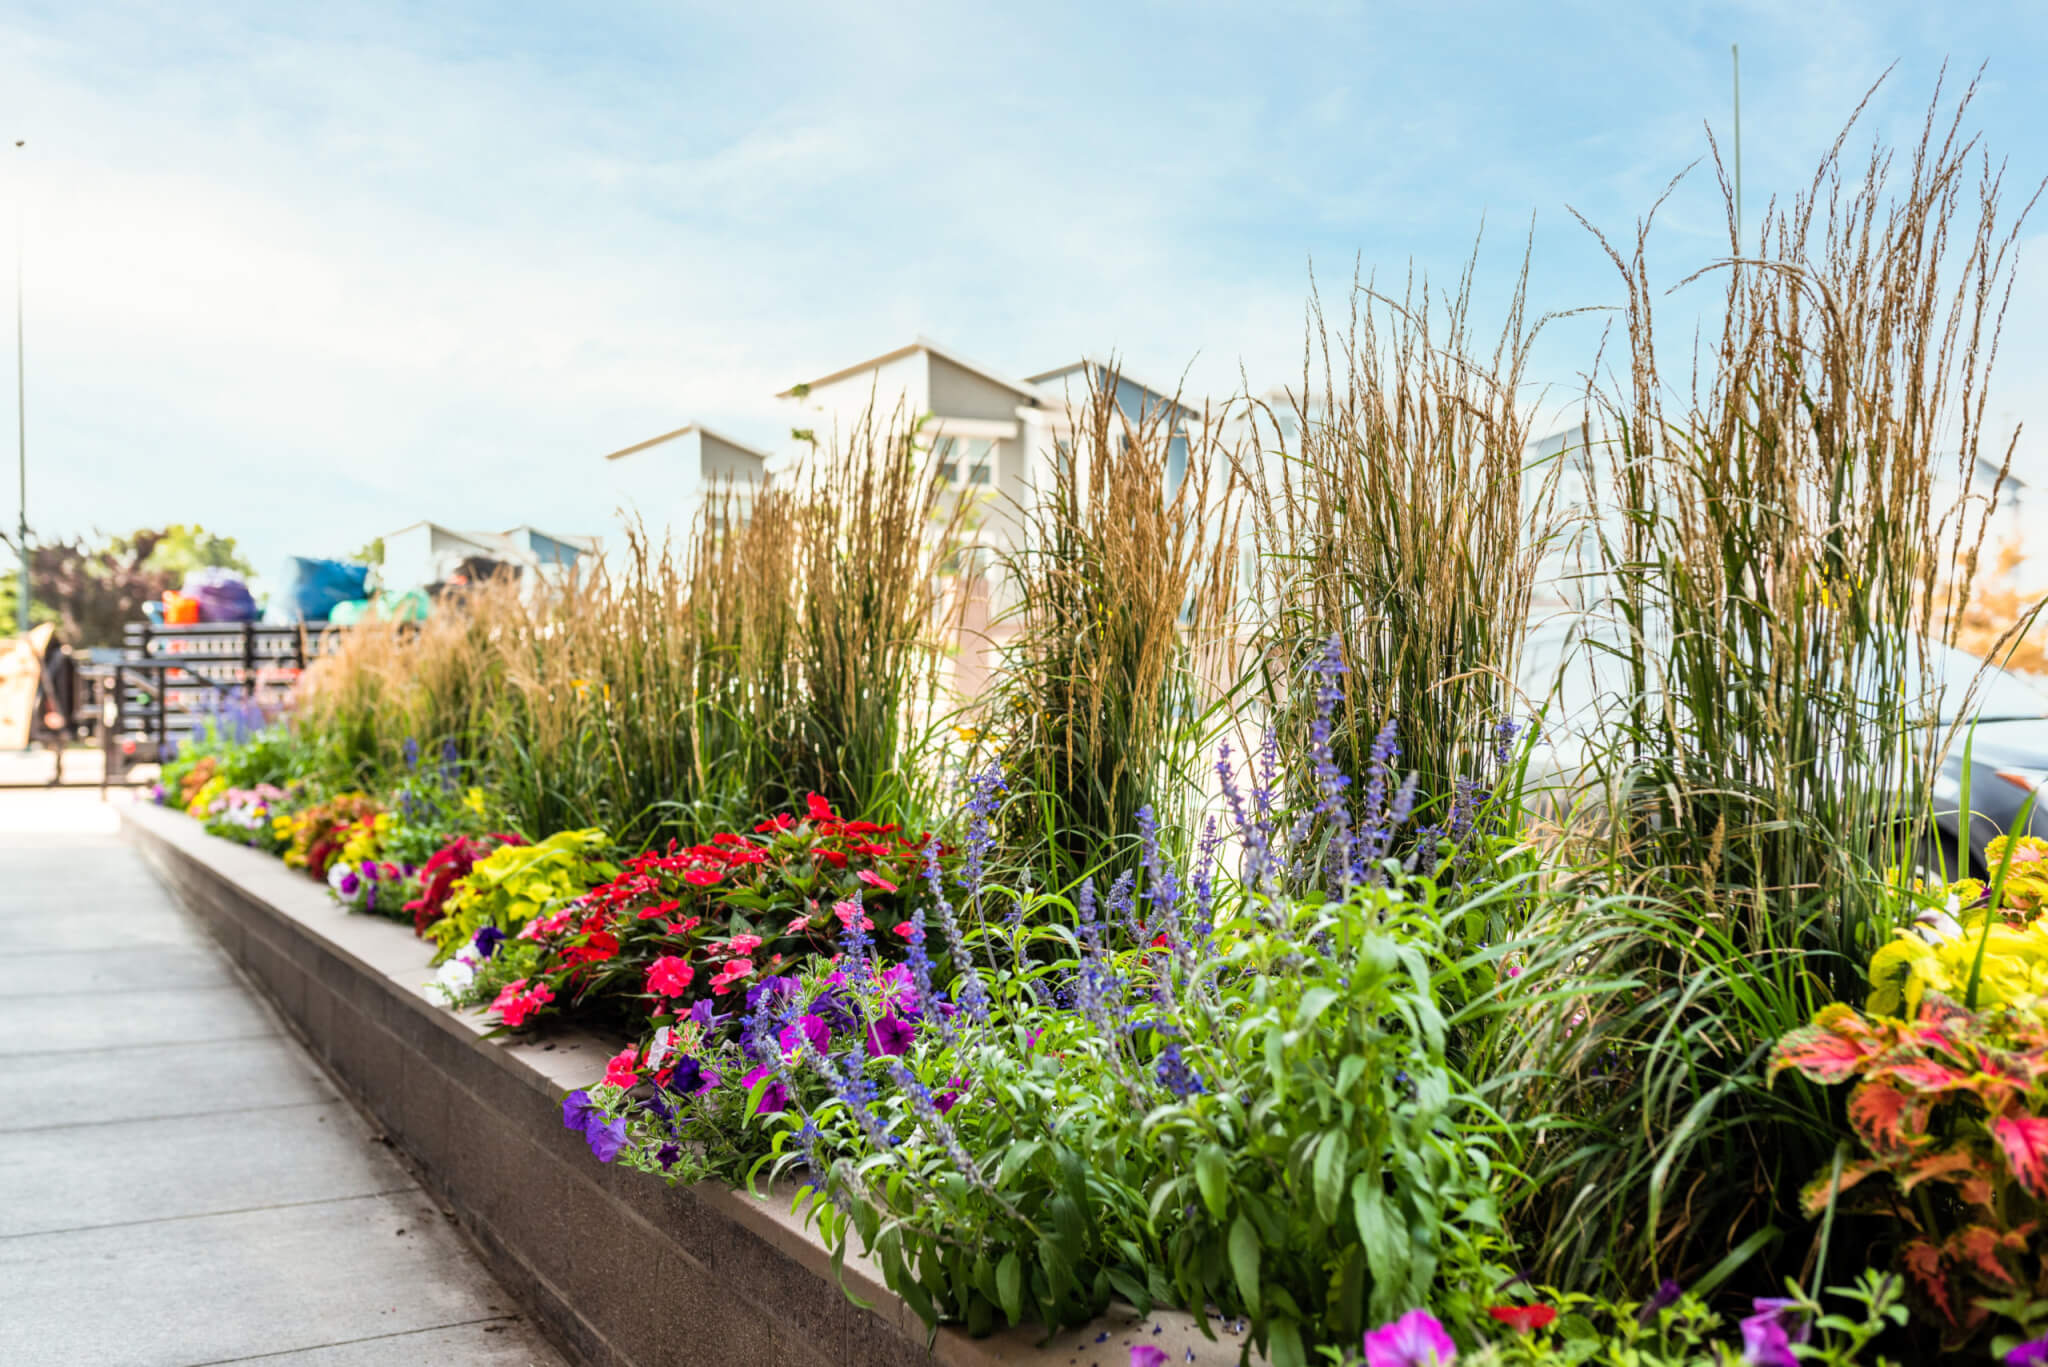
(428, 553)
(659, 484)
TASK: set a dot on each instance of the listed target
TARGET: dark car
(2002, 750)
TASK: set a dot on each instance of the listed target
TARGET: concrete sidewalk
(179, 1184)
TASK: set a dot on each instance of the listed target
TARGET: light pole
(27, 593)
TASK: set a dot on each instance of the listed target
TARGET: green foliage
(1317, 1165)
(1687, 1331)
(512, 885)
(182, 547)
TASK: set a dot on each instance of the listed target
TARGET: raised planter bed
(626, 1271)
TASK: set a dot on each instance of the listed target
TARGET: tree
(92, 594)
(183, 547)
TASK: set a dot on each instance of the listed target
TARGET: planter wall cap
(623, 1270)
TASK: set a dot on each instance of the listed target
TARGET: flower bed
(584, 1246)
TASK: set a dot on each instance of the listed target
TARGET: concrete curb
(625, 1271)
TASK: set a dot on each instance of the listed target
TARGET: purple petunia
(1664, 1298)
(487, 941)
(2034, 1354)
(605, 1137)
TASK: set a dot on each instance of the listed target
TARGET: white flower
(336, 872)
(1935, 927)
(658, 1049)
(454, 979)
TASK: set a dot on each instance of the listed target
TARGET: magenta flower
(2034, 1354)
(775, 1098)
(811, 1028)
(1414, 1340)
(1146, 1355)
(1767, 1337)
(890, 1037)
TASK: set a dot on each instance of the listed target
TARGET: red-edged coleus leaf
(1921, 1074)
(1958, 1166)
(1942, 1024)
(1813, 1197)
(2024, 1141)
(1833, 1048)
(1888, 1120)
(1975, 1249)
(1927, 1270)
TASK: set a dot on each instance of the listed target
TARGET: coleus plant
(1951, 1112)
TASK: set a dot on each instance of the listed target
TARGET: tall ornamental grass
(1390, 512)
(791, 644)
(1121, 593)
(1774, 567)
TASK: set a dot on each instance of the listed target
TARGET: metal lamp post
(26, 596)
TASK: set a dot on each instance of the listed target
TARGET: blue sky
(309, 273)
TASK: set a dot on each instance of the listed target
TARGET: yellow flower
(474, 800)
(201, 805)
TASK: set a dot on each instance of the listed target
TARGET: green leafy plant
(515, 883)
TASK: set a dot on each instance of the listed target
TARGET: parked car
(1994, 722)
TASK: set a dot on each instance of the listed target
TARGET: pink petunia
(909, 930)
(851, 916)
(797, 925)
(1147, 1355)
(743, 944)
(670, 976)
(1416, 1339)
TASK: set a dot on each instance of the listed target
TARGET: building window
(971, 459)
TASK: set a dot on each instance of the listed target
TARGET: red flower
(1523, 1318)
(514, 1004)
(833, 857)
(600, 946)
(619, 1070)
(776, 824)
(818, 809)
(670, 976)
(730, 973)
(702, 878)
(875, 880)
(907, 929)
